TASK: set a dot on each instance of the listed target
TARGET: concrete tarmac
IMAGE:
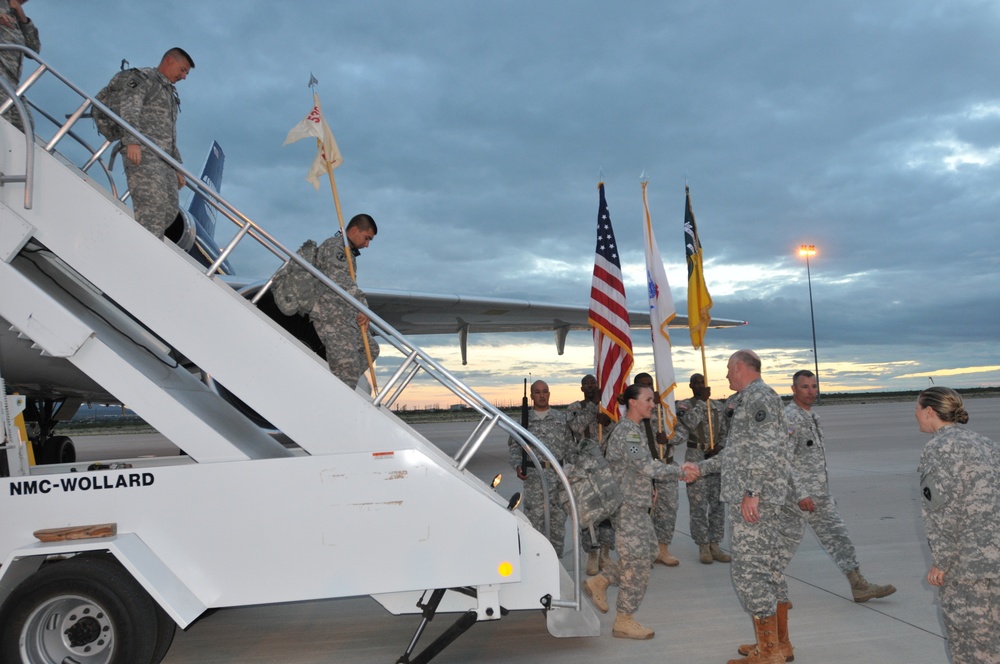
(873, 451)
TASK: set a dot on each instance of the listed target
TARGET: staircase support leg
(459, 627)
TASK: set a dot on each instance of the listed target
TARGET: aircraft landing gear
(57, 449)
(47, 413)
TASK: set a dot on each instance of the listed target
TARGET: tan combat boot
(864, 591)
(596, 588)
(766, 650)
(664, 557)
(784, 645)
(604, 559)
(627, 628)
(704, 554)
(719, 554)
(592, 563)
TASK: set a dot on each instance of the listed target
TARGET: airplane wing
(413, 312)
(431, 313)
(410, 312)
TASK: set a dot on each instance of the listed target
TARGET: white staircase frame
(368, 505)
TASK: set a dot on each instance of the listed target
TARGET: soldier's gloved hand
(712, 452)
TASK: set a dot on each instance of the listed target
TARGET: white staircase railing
(220, 305)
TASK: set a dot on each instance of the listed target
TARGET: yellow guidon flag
(698, 300)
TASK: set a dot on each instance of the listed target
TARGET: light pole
(809, 250)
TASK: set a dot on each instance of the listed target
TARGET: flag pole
(350, 264)
(708, 401)
(328, 154)
(661, 312)
(699, 300)
(608, 314)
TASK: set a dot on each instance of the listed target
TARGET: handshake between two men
(690, 472)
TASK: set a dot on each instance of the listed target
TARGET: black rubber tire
(59, 449)
(85, 609)
(165, 630)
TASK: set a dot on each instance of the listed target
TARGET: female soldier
(634, 469)
(960, 484)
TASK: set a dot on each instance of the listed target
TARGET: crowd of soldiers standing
(772, 475)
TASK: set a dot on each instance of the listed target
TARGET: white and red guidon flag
(608, 315)
(327, 153)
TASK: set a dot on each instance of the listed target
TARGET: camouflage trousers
(533, 501)
(971, 611)
(708, 514)
(761, 552)
(635, 540)
(664, 513)
(345, 351)
(831, 531)
(791, 528)
(153, 187)
(605, 536)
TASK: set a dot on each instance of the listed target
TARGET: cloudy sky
(475, 133)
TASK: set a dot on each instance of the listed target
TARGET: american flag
(609, 315)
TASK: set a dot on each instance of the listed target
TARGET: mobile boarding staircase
(364, 506)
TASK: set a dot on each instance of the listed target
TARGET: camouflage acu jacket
(757, 454)
(809, 455)
(960, 486)
(633, 466)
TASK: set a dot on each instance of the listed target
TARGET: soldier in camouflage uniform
(150, 103)
(960, 484)
(585, 421)
(664, 512)
(708, 514)
(756, 480)
(634, 469)
(810, 495)
(813, 489)
(551, 428)
(338, 324)
(15, 28)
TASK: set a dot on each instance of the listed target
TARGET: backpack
(111, 96)
(294, 290)
(594, 487)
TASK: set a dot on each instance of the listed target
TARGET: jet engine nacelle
(183, 231)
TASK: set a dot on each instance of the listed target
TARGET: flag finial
(313, 82)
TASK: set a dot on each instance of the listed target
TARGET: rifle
(651, 440)
(524, 423)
